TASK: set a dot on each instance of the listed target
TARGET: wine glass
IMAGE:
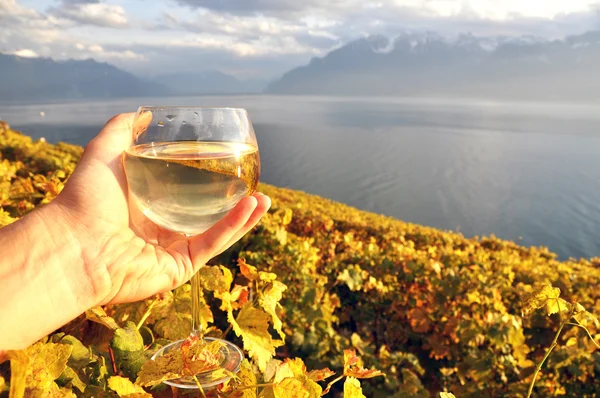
(186, 169)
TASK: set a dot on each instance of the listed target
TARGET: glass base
(231, 359)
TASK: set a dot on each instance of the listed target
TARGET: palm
(132, 258)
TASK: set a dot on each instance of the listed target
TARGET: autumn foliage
(373, 307)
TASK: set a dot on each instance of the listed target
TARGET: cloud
(92, 13)
(261, 37)
(25, 53)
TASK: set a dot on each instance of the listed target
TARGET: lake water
(528, 172)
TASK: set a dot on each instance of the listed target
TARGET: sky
(259, 39)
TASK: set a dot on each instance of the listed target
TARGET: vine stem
(146, 314)
(255, 386)
(539, 365)
(226, 331)
(199, 387)
(587, 331)
(549, 350)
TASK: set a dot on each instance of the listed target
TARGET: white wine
(188, 186)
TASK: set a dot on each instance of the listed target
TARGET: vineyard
(327, 300)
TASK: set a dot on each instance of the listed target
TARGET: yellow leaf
(125, 388)
(539, 298)
(269, 300)
(3, 386)
(352, 388)
(287, 216)
(167, 367)
(216, 279)
(35, 370)
(555, 306)
(251, 273)
(246, 379)
(193, 357)
(98, 315)
(19, 363)
(585, 317)
(447, 395)
(252, 325)
(171, 316)
(297, 387)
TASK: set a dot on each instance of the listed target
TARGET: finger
(204, 246)
(113, 139)
(264, 204)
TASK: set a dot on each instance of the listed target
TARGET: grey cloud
(279, 8)
(91, 13)
(80, 1)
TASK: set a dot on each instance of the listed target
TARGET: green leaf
(539, 297)
(352, 388)
(269, 301)
(128, 347)
(125, 388)
(80, 356)
(70, 376)
(97, 372)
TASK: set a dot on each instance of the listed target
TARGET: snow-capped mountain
(430, 64)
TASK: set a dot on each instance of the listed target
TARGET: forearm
(43, 281)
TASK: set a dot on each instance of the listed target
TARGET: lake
(528, 172)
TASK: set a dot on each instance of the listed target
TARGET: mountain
(46, 79)
(429, 64)
(208, 82)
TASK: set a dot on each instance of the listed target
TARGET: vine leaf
(584, 317)
(252, 273)
(539, 298)
(352, 388)
(98, 315)
(246, 382)
(252, 325)
(193, 357)
(125, 388)
(35, 370)
(128, 346)
(269, 301)
(558, 306)
(291, 380)
(353, 367)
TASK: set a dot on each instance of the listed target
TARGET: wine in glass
(187, 168)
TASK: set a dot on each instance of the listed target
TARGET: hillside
(431, 309)
(429, 64)
(47, 79)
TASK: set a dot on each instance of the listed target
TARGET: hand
(126, 256)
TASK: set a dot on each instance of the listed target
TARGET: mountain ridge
(430, 64)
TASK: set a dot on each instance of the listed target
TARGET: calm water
(528, 172)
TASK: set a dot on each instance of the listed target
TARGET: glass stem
(197, 300)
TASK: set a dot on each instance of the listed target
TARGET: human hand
(126, 256)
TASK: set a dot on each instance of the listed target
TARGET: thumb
(115, 137)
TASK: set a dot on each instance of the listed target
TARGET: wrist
(43, 283)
